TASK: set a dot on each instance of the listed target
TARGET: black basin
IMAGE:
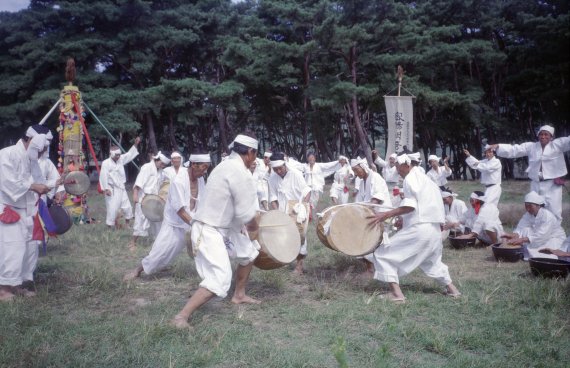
(507, 254)
(549, 267)
(461, 243)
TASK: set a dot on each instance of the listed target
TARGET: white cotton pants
(142, 226)
(18, 252)
(552, 194)
(213, 256)
(118, 201)
(416, 246)
(493, 194)
(337, 192)
(168, 244)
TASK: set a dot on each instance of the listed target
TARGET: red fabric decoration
(477, 207)
(38, 230)
(345, 189)
(9, 216)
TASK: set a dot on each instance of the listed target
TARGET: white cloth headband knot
(160, 156)
(202, 158)
(246, 141)
(403, 159)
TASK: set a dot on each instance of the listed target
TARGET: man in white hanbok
(112, 179)
(260, 174)
(170, 172)
(417, 161)
(184, 197)
(339, 192)
(419, 243)
(454, 211)
(18, 206)
(148, 181)
(491, 171)
(389, 171)
(219, 230)
(482, 220)
(437, 173)
(537, 229)
(563, 253)
(545, 165)
(286, 185)
(315, 174)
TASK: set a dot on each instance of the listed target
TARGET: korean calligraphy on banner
(400, 113)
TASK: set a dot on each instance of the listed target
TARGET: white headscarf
(160, 156)
(534, 197)
(246, 141)
(547, 128)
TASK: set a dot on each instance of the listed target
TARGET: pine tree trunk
(171, 135)
(361, 136)
(151, 134)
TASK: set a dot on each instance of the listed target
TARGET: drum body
(61, 218)
(279, 240)
(345, 229)
(76, 183)
(163, 191)
(152, 207)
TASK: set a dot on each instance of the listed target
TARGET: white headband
(341, 157)
(160, 156)
(277, 163)
(414, 156)
(393, 155)
(200, 158)
(433, 157)
(115, 152)
(404, 160)
(446, 194)
(534, 197)
(175, 155)
(546, 128)
(267, 154)
(358, 161)
(246, 141)
(475, 196)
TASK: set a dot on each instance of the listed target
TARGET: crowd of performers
(220, 213)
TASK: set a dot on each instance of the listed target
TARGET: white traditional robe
(486, 220)
(18, 252)
(170, 240)
(542, 231)
(260, 179)
(113, 177)
(342, 178)
(439, 177)
(148, 180)
(390, 173)
(455, 212)
(292, 187)
(418, 244)
(169, 173)
(374, 187)
(50, 175)
(543, 166)
(218, 229)
(491, 172)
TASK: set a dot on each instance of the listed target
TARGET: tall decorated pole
(400, 115)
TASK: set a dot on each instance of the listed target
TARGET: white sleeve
(129, 155)
(514, 150)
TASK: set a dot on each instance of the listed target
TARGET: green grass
(84, 316)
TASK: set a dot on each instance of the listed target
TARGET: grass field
(84, 316)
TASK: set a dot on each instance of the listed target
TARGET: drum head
(163, 192)
(153, 207)
(76, 183)
(279, 237)
(350, 234)
(61, 219)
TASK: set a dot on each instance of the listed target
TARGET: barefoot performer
(229, 204)
(185, 194)
(286, 185)
(418, 244)
(112, 180)
(19, 192)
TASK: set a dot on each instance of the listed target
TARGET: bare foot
(393, 297)
(132, 246)
(24, 292)
(245, 299)
(298, 271)
(6, 296)
(133, 274)
(452, 291)
(180, 322)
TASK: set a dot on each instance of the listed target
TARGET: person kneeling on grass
(419, 243)
(537, 229)
(482, 219)
(218, 230)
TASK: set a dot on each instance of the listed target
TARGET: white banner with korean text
(400, 114)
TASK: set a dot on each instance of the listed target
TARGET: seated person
(537, 229)
(454, 210)
(482, 220)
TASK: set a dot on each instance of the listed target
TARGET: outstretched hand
(377, 219)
